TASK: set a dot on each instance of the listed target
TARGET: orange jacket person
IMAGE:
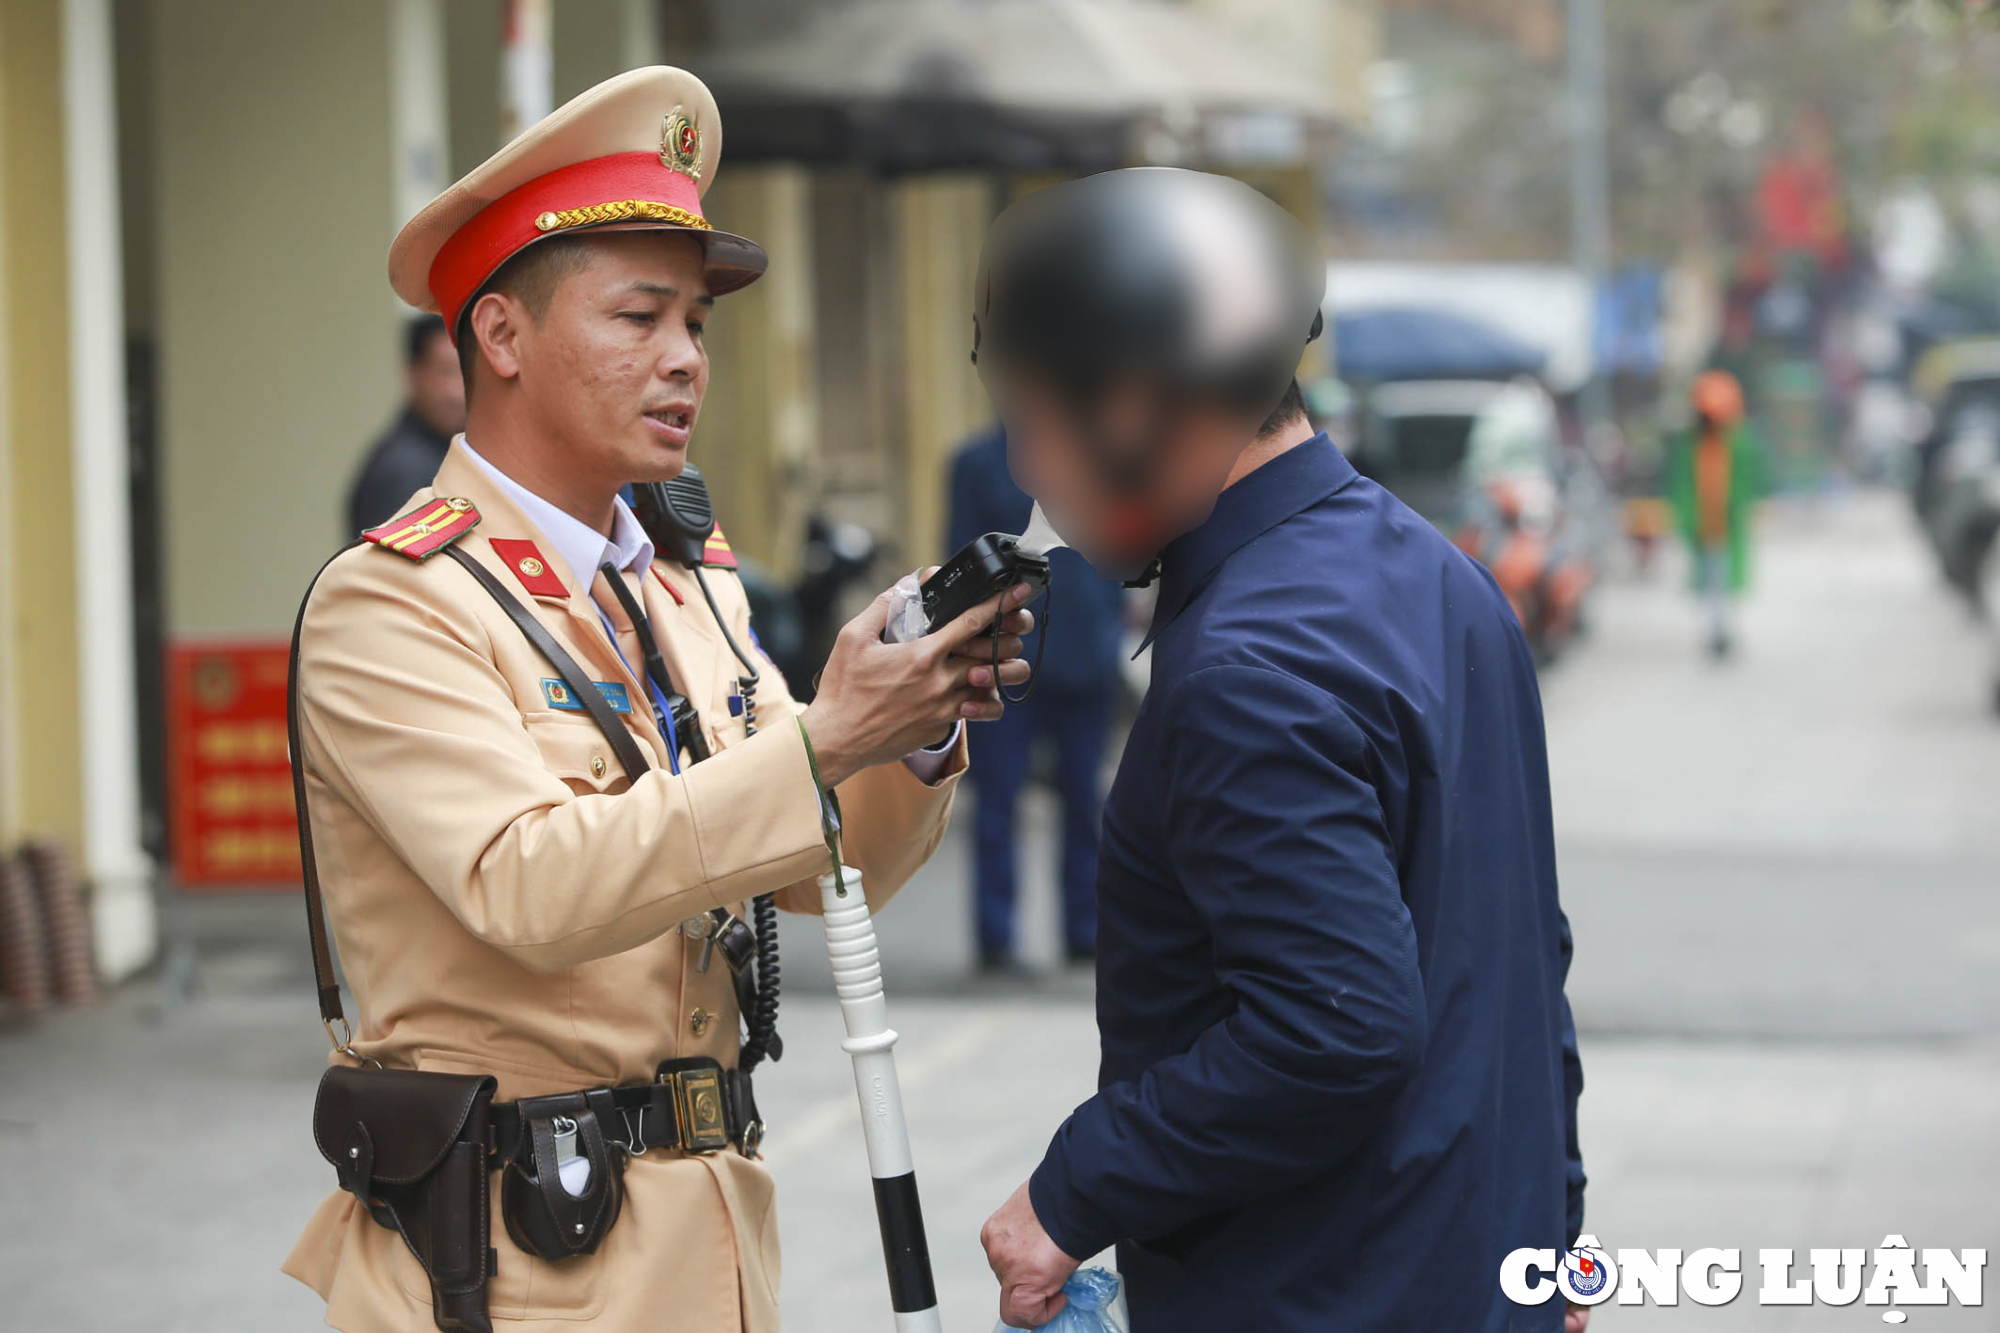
(1715, 476)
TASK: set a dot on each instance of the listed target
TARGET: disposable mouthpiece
(1040, 537)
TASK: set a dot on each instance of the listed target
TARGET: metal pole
(871, 1043)
(1590, 202)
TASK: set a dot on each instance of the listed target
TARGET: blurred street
(1781, 871)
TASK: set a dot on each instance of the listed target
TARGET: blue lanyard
(661, 715)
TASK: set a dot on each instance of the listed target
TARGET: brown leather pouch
(413, 1147)
(542, 1216)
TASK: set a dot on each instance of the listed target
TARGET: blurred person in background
(1715, 476)
(406, 457)
(1074, 697)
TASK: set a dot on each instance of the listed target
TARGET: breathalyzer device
(984, 567)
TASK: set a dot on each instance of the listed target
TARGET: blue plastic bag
(1093, 1306)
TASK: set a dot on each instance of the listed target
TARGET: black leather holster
(413, 1148)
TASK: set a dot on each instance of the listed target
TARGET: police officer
(1339, 1077)
(508, 899)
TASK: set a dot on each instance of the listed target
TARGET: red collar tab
(672, 591)
(427, 529)
(623, 187)
(530, 566)
(715, 553)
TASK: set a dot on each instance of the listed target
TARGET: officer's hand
(879, 701)
(1576, 1319)
(1030, 1266)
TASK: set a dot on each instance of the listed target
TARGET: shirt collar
(580, 547)
(1289, 484)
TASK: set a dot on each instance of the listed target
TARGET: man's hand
(878, 701)
(1030, 1266)
(1576, 1319)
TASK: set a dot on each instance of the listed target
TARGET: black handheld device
(984, 567)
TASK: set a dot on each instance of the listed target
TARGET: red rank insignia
(427, 529)
(715, 553)
(528, 565)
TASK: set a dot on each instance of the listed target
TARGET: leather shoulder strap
(329, 989)
(620, 740)
(622, 744)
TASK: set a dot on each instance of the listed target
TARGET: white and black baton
(871, 1042)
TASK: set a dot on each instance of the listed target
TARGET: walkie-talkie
(680, 518)
(677, 515)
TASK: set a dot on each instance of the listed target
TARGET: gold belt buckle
(698, 1107)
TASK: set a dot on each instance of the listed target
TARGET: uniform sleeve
(407, 719)
(892, 819)
(1282, 845)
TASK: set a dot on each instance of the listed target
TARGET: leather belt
(691, 1106)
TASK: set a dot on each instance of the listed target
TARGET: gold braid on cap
(623, 210)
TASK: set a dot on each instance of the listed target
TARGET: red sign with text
(230, 773)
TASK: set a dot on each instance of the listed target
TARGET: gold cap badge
(680, 144)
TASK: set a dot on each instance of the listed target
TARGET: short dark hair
(1289, 409)
(531, 277)
(418, 331)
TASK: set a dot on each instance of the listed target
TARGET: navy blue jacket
(1085, 610)
(1339, 1075)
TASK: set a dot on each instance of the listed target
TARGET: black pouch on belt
(542, 1216)
(412, 1146)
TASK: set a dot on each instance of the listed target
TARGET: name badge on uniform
(560, 696)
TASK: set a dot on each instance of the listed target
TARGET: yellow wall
(278, 334)
(941, 225)
(40, 780)
(472, 80)
(757, 439)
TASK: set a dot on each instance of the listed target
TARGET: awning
(1030, 83)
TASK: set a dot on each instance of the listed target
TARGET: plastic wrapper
(1093, 1307)
(906, 612)
(1040, 536)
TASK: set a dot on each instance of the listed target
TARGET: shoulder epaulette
(427, 529)
(715, 552)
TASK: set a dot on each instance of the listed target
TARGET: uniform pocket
(575, 750)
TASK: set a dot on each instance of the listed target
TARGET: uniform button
(597, 765)
(531, 567)
(699, 1021)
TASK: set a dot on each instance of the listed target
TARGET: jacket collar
(1292, 482)
(501, 519)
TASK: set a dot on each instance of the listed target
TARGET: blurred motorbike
(1483, 460)
(796, 624)
(1964, 494)
(1514, 534)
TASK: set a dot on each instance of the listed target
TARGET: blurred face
(1178, 452)
(613, 373)
(437, 390)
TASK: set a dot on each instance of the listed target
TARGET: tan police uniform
(505, 900)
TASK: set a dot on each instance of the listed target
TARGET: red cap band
(499, 231)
